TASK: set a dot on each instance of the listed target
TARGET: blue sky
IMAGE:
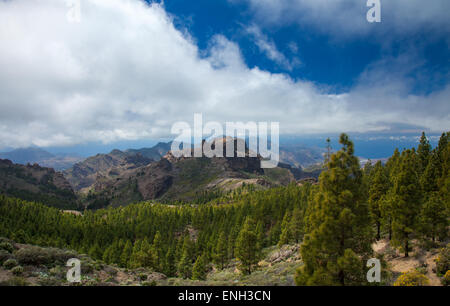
(334, 62)
(130, 69)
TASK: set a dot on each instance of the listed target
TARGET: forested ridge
(405, 200)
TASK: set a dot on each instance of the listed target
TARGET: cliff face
(36, 183)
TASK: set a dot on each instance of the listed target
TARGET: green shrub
(35, 255)
(17, 270)
(4, 245)
(48, 281)
(87, 267)
(57, 272)
(15, 281)
(4, 256)
(443, 261)
(152, 283)
(446, 279)
(10, 263)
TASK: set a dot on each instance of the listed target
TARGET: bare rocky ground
(420, 259)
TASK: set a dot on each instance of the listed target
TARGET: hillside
(103, 167)
(31, 265)
(35, 183)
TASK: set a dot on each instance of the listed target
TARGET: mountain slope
(185, 179)
(102, 167)
(35, 183)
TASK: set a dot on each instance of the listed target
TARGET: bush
(10, 263)
(412, 278)
(446, 279)
(4, 245)
(15, 281)
(87, 267)
(4, 256)
(149, 284)
(110, 270)
(34, 255)
(443, 261)
(57, 272)
(48, 281)
(17, 270)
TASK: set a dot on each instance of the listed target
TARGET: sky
(130, 69)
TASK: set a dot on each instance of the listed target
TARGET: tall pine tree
(339, 234)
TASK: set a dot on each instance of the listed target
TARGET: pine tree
(200, 268)
(185, 265)
(107, 255)
(134, 262)
(430, 177)
(297, 225)
(423, 152)
(220, 254)
(126, 253)
(95, 251)
(406, 200)
(339, 234)
(377, 190)
(246, 246)
(434, 217)
(285, 230)
(157, 248)
(170, 266)
(260, 236)
(275, 233)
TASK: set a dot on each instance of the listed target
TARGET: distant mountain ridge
(39, 156)
(35, 183)
(300, 156)
(156, 152)
(26, 155)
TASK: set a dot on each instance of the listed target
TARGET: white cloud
(126, 73)
(347, 18)
(269, 48)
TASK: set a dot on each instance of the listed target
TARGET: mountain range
(123, 177)
(183, 179)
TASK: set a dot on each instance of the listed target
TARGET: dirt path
(402, 264)
(431, 264)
